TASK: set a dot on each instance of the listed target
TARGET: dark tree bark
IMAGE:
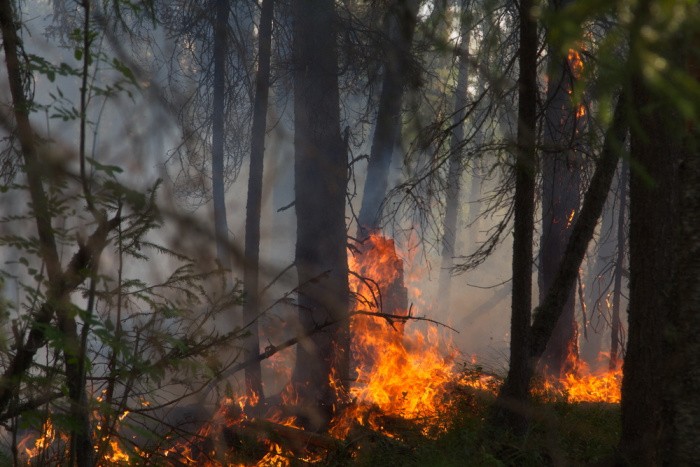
(454, 170)
(616, 327)
(251, 308)
(320, 186)
(682, 412)
(513, 396)
(653, 205)
(401, 26)
(217, 133)
(661, 383)
(650, 367)
(561, 180)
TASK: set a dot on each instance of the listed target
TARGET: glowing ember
(575, 62)
(576, 66)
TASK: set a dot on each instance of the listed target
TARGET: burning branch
(401, 318)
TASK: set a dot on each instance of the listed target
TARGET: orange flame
(401, 374)
(575, 62)
(581, 384)
(576, 66)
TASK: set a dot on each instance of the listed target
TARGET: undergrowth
(561, 433)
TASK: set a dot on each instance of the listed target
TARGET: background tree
(213, 54)
(561, 166)
(454, 170)
(251, 309)
(400, 25)
(514, 393)
(616, 341)
(320, 183)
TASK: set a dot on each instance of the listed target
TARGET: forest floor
(561, 434)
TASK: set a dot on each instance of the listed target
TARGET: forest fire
(401, 376)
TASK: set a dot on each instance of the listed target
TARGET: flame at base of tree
(581, 384)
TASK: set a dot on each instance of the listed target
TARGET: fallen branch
(298, 438)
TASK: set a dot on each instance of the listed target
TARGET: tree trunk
(599, 279)
(401, 26)
(217, 134)
(652, 216)
(320, 186)
(251, 308)
(619, 263)
(512, 399)
(561, 180)
(656, 148)
(549, 311)
(683, 365)
(454, 170)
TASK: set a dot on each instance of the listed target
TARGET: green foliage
(143, 342)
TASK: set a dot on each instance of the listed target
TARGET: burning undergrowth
(405, 381)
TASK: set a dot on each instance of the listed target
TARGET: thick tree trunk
(655, 343)
(661, 383)
(320, 185)
(561, 180)
(653, 215)
(681, 445)
(401, 26)
(251, 308)
(217, 134)
(454, 170)
(512, 399)
(619, 264)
